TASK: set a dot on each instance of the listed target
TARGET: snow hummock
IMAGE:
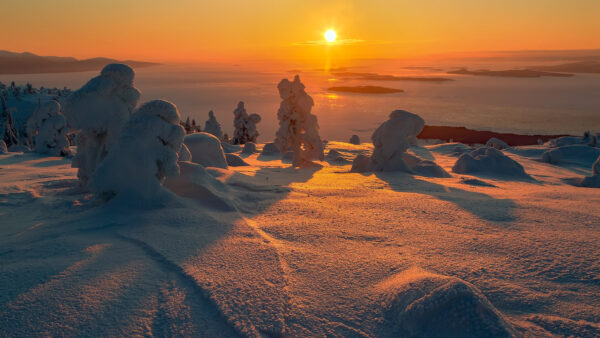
(206, 150)
(235, 161)
(249, 148)
(146, 153)
(497, 143)
(577, 154)
(392, 139)
(98, 111)
(212, 126)
(47, 130)
(270, 149)
(244, 125)
(354, 139)
(489, 161)
(594, 180)
(298, 128)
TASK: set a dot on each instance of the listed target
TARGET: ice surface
(206, 150)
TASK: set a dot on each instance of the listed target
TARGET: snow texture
(234, 160)
(212, 126)
(206, 150)
(392, 139)
(146, 153)
(3, 148)
(47, 130)
(354, 139)
(489, 161)
(184, 154)
(497, 143)
(244, 125)
(249, 148)
(298, 128)
(98, 111)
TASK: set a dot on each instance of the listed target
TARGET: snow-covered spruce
(392, 139)
(145, 154)
(497, 143)
(98, 111)
(298, 128)
(245, 125)
(47, 130)
(354, 139)
(7, 128)
(206, 150)
(212, 126)
(489, 161)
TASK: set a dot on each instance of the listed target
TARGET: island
(526, 73)
(29, 63)
(591, 67)
(382, 77)
(365, 89)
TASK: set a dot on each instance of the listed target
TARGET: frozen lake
(544, 105)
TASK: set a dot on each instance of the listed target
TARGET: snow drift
(206, 150)
(146, 153)
(98, 111)
(298, 128)
(489, 161)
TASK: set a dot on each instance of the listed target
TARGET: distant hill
(29, 63)
(508, 73)
(573, 67)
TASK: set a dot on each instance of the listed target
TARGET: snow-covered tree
(298, 128)
(47, 130)
(212, 126)
(245, 125)
(7, 129)
(98, 110)
(145, 154)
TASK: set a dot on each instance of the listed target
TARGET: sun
(330, 35)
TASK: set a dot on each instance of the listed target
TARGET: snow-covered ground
(271, 250)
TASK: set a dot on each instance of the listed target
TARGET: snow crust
(98, 111)
(206, 150)
(298, 128)
(146, 153)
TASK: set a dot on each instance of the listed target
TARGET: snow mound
(423, 167)
(184, 154)
(392, 139)
(18, 148)
(212, 126)
(453, 149)
(497, 143)
(335, 157)
(298, 128)
(354, 139)
(196, 183)
(47, 130)
(3, 148)
(581, 154)
(333, 154)
(249, 148)
(489, 161)
(288, 157)
(147, 153)
(270, 149)
(206, 150)
(245, 125)
(235, 161)
(360, 164)
(99, 110)
(476, 182)
(572, 140)
(230, 148)
(421, 304)
(594, 180)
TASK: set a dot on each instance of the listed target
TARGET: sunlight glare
(330, 35)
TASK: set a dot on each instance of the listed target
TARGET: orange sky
(238, 30)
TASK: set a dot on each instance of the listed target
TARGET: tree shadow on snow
(478, 204)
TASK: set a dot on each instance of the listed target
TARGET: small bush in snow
(146, 153)
(47, 130)
(98, 110)
(298, 128)
(245, 125)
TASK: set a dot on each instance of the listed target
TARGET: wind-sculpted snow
(421, 304)
(206, 150)
(98, 111)
(496, 143)
(244, 125)
(572, 154)
(593, 181)
(249, 148)
(47, 130)
(212, 126)
(489, 161)
(146, 153)
(298, 128)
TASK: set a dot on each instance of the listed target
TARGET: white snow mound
(206, 150)
(497, 143)
(489, 161)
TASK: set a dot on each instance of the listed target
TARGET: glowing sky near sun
(186, 30)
